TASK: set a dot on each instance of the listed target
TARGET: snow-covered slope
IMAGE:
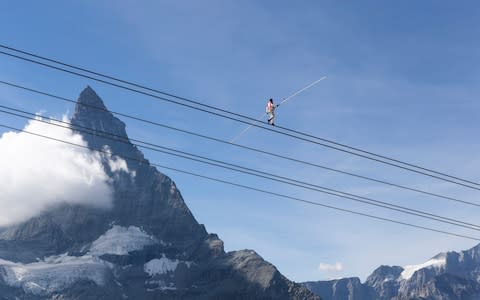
(121, 240)
(438, 262)
(55, 273)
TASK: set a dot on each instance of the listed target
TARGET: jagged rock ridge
(446, 276)
(148, 246)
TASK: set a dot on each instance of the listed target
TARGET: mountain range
(446, 276)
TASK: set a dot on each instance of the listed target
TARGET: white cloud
(37, 173)
(337, 267)
(115, 163)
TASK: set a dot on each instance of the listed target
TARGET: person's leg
(270, 118)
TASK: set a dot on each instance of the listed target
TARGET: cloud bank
(36, 173)
(337, 267)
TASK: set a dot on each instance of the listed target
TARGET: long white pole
(303, 89)
(283, 101)
(247, 128)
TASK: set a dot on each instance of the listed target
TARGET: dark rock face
(454, 276)
(78, 252)
(345, 288)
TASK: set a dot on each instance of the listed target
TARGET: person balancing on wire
(270, 110)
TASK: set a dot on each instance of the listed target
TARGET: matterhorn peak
(89, 99)
(92, 114)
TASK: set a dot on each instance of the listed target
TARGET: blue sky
(402, 80)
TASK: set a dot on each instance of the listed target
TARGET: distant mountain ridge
(446, 276)
(148, 246)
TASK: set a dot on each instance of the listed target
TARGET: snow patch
(54, 273)
(122, 240)
(436, 262)
(389, 278)
(161, 265)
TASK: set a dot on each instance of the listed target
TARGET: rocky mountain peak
(92, 115)
(88, 97)
(383, 274)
